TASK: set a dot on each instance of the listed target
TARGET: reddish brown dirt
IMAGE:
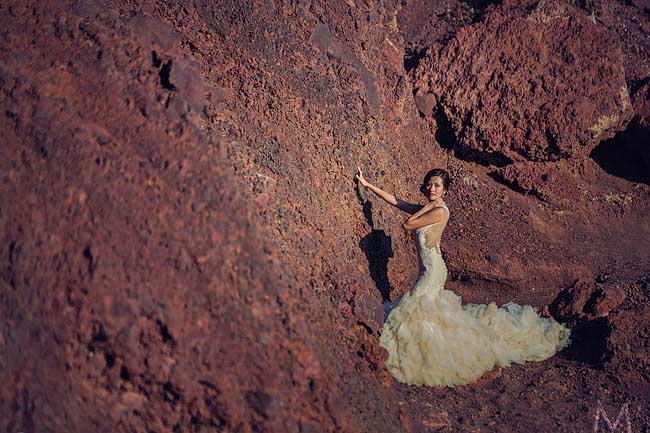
(184, 248)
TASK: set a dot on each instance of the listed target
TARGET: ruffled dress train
(433, 339)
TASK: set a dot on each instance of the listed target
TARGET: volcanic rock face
(175, 254)
(182, 245)
(630, 21)
(130, 291)
(539, 84)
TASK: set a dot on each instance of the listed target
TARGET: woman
(431, 338)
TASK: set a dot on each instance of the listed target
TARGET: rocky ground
(184, 248)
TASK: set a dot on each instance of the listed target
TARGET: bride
(431, 337)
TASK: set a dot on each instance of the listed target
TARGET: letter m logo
(612, 427)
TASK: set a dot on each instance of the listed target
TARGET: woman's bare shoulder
(435, 215)
(440, 210)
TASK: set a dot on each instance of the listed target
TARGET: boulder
(532, 81)
(587, 300)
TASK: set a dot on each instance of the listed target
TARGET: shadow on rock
(584, 307)
(377, 246)
(627, 155)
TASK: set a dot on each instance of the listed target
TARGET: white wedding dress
(432, 339)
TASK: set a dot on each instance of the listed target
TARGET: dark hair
(444, 175)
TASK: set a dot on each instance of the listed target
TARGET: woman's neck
(438, 202)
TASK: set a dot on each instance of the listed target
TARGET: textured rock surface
(538, 84)
(182, 247)
(630, 21)
(587, 300)
(628, 345)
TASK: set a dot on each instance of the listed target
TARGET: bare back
(433, 232)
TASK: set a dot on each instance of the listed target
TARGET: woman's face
(435, 187)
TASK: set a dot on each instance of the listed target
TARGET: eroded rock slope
(184, 248)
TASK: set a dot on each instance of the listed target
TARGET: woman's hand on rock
(360, 178)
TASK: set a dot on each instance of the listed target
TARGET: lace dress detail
(433, 339)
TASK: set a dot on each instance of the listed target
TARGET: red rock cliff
(183, 247)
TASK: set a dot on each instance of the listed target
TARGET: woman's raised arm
(388, 197)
